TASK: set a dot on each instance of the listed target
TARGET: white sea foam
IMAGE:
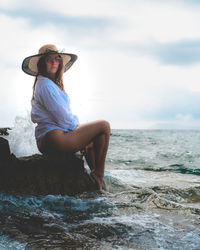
(142, 178)
(21, 138)
(6, 243)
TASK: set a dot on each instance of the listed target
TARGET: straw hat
(29, 64)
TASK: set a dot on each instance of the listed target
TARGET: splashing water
(21, 138)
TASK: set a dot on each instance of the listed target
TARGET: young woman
(57, 128)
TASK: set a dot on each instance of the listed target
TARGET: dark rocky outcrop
(4, 131)
(41, 175)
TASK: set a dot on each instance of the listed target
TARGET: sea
(152, 201)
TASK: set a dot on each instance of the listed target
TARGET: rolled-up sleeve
(58, 106)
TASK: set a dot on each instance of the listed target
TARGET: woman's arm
(56, 106)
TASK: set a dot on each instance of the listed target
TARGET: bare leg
(97, 132)
(90, 158)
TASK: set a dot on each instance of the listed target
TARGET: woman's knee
(105, 125)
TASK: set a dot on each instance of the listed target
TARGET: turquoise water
(152, 202)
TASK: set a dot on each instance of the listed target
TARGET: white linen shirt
(51, 108)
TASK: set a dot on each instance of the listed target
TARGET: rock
(41, 175)
(4, 149)
(4, 131)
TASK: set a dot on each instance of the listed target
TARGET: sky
(138, 60)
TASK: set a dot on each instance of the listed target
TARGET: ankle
(99, 175)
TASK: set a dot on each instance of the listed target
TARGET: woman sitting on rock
(58, 129)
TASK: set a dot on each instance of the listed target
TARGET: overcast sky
(138, 60)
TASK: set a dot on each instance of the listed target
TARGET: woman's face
(52, 63)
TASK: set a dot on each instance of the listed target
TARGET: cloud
(82, 29)
(178, 53)
(173, 103)
(73, 23)
(190, 3)
(93, 8)
(129, 57)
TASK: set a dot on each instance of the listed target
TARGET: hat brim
(29, 65)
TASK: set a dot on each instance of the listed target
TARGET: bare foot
(100, 181)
